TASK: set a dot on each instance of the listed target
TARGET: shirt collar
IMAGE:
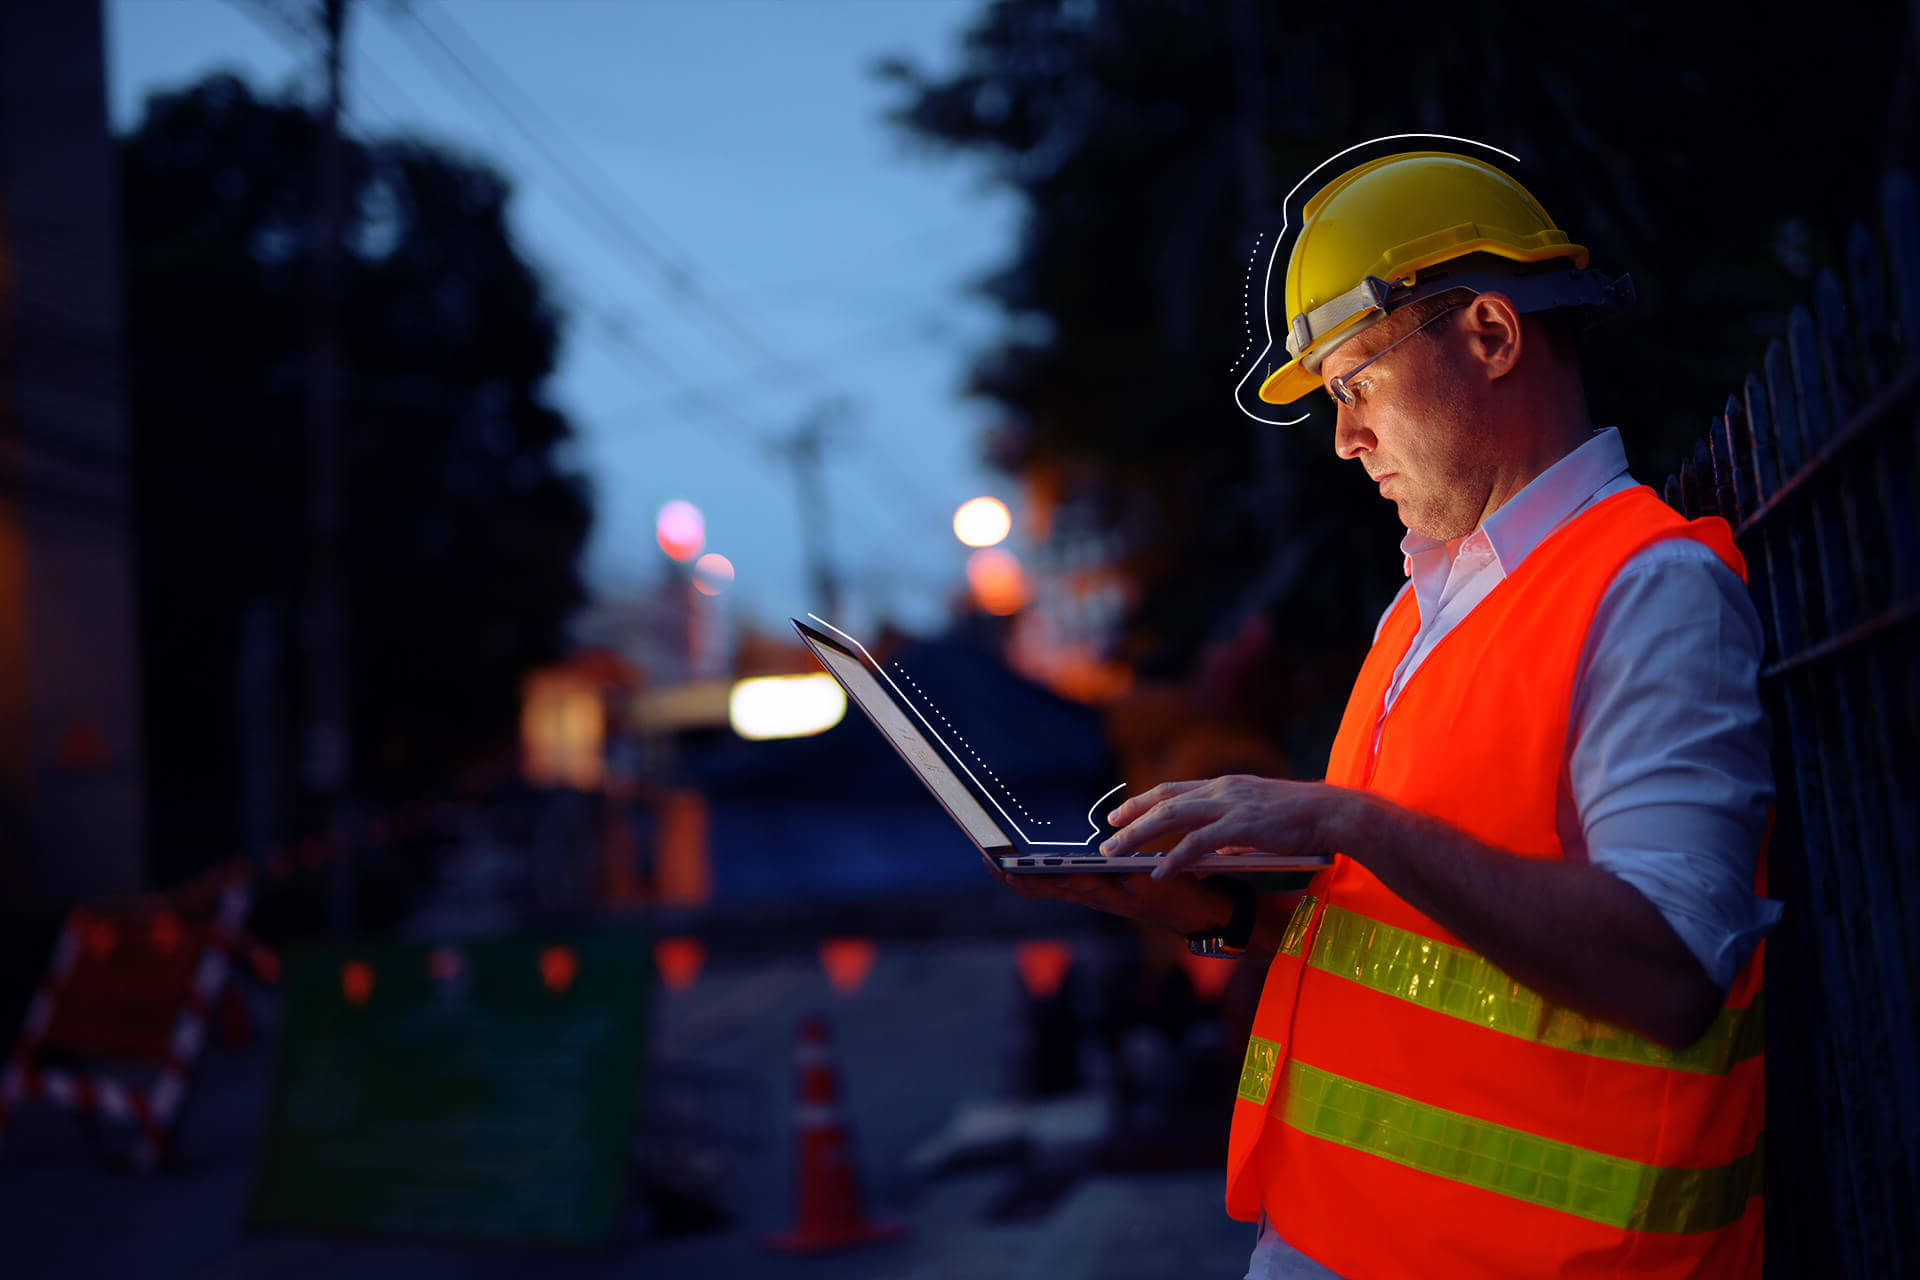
(1523, 521)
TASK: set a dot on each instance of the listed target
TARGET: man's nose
(1349, 435)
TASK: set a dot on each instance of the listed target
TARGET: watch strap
(1233, 939)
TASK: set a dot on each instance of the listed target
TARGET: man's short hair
(1561, 326)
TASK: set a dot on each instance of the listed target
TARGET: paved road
(933, 1027)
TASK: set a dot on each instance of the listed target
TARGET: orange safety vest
(1405, 1108)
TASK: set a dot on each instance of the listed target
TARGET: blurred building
(71, 807)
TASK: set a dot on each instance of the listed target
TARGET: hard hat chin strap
(1592, 293)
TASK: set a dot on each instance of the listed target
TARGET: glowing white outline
(1266, 287)
(1071, 844)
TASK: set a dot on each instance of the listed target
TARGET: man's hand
(1234, 814)
(1186, 905)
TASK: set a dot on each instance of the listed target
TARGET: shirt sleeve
(1670, 771)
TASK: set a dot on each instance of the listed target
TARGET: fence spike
(1689, 490)
(1731, 432)
(1671, 492)
(1706, 499)
(1809, 383)
(1845, 389)
(1903, 254)
(1719, 465)
(1866, 281)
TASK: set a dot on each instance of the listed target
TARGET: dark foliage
(463, 531)
(1709, 151)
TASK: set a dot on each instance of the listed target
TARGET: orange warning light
(1043, 966)
(356, 981)
(847, 962)
(679, 961)
(558, 965)
(166, 932)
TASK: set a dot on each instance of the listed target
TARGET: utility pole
(804, 450)
(328, 759)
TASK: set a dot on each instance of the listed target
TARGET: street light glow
(982, 522)
(786, 706)
(680, 530)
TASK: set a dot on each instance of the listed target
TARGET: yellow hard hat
(1375, 238)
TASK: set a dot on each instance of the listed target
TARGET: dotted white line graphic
(921, 716)
(1246, 300)
(1004, 788)
(1274, 255)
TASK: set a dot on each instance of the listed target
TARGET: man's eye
(1358, 388)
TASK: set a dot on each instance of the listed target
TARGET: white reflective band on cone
(113, 1099)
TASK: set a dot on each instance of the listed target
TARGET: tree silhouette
(1715, 155)
(463, 531)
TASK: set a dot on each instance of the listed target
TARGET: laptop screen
(921, 754)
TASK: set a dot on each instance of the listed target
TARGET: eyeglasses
(1338, 387)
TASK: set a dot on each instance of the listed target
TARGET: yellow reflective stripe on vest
(1463, 984)
(1256, 1071)
(1296, 934)
(1602, 1188)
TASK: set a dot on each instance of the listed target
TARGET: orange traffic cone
(826, 1194)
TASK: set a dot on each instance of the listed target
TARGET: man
(1515, 1028)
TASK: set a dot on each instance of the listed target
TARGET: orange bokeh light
(712, 574)
(998, 584)
(679, 961)
(1043, 964)
(558, 965)
(847, 962)
(356, 981)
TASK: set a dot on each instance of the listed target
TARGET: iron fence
(1813, 462)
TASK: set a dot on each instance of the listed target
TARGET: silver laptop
(992, 830)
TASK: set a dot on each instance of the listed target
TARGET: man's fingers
(1134, 806)
(1195, 845)
(1168, 818)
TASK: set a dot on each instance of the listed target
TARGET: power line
(290, 31)
(895, 330)
(669, 274)
(673, 280)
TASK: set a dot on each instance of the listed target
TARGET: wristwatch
(1229, 943)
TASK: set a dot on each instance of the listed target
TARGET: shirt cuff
(1721, 928)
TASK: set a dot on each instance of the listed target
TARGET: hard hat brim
(1288, 383)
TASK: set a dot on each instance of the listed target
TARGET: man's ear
(1494, 334)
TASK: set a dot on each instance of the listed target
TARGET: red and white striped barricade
(125, 994)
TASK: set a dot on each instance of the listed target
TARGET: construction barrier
(128, 991)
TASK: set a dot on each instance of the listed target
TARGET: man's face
(1414, 426)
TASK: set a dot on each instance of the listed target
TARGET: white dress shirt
(1669, 775)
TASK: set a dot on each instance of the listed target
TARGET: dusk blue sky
(743, 140)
